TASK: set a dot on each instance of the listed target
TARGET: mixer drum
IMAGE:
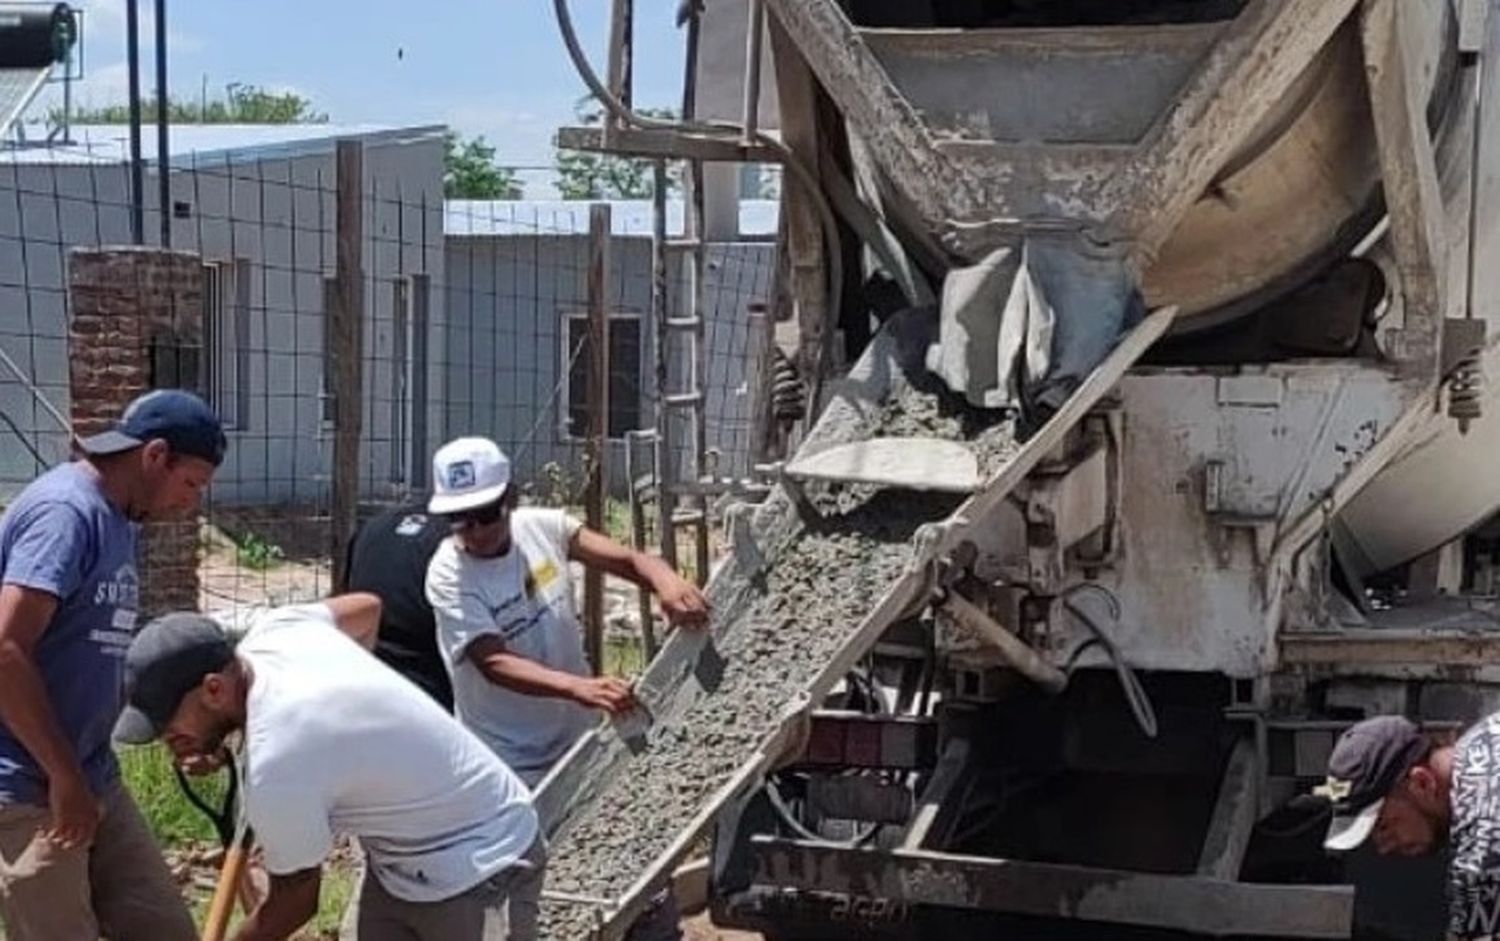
(1299, 194)
(1067, 93)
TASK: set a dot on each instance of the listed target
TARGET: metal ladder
(680, 507)
(682, 499)
(681, 335)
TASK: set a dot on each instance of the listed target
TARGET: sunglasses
(484, 516)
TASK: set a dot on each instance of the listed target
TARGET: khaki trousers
(119, 887)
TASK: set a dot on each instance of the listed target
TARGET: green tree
(470, 171)
(585, 175)
(241, 104)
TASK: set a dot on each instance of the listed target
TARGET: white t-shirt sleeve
(459, 610)
(291, 826)
(564, 528)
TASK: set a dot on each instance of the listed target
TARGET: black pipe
(133, 60)
(163, 158)
(690, 57)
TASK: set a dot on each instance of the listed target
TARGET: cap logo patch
(460, 475)
(1335, 789)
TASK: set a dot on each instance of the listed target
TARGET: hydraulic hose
(1130, 685)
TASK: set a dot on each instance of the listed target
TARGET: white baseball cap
(467, 473)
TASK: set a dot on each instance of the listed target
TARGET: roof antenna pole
(133, 60)
(163, 161)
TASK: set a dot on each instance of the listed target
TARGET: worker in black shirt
(388, 558)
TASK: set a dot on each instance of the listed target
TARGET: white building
(258, 203)
(516, 303)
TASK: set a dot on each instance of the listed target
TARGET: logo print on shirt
(541, 576)
(461, 475)
(1474, 867)
(120, 590)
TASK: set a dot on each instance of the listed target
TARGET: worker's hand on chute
(611, 694)
(682, 602)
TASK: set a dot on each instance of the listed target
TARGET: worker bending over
(334, 741)
(1408, 795)
(388, 558)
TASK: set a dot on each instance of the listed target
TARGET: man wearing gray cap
(1407, 795)
(334, 741)
(76, 859)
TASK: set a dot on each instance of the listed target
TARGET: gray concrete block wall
(506, 300)
(276, 216)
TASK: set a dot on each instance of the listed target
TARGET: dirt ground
(699, 928)
(196, 869)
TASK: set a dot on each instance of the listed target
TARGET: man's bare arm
(28, 713)
(358, 615)
(680, 599)
(527, 676)
(291, 903)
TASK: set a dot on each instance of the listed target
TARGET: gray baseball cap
(1367, 762)
(166, 661)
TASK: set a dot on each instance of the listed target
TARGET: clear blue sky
(491, 67)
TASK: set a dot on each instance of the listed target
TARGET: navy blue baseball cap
(181, 419)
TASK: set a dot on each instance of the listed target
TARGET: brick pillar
(137, 325)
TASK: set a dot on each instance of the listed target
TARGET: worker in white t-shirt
(337, 742)
(503, 598)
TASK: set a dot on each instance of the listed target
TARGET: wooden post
(346, 338)
(662, 348)
(598, 429)
(621, 67)
(761, 374)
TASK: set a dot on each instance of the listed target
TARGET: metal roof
(208, 143)
(484, 218)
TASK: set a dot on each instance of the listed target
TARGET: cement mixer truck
(1154, 473)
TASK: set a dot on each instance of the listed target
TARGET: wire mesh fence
(473, 321)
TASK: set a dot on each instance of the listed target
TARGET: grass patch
(257, 554)
(616, 519)
(334, 896)
(148, 774)
(623, 657)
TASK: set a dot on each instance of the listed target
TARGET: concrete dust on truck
(1198, 285)
(1116, 559)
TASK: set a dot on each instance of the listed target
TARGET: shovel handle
(222, 905)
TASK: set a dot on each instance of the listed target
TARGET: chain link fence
(473, 320)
